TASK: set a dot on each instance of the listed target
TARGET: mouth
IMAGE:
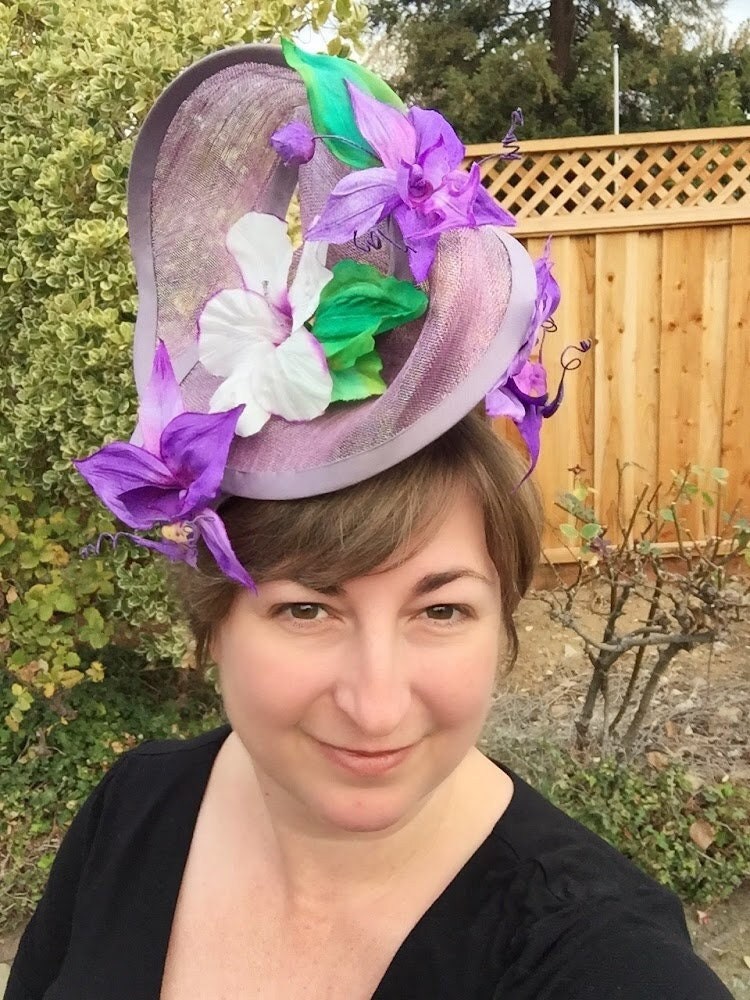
(366, 763)
(368, 753)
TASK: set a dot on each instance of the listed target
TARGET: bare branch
(637, 638)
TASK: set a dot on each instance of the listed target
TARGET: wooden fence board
(613, 374)
(568, 437)
(713, 350)
(582, 326)
(639, 448)
(735, 440)
(681, 354)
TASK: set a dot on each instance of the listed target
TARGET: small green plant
(48, 599)
(685, 587)
(64, 748)
(696, 842)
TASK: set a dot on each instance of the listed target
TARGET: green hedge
(44, 780)
(648, 815)
(76, 78)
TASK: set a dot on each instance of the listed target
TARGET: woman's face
(316, 684)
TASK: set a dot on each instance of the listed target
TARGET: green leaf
(666, 514)
(65, 602)
(591, 531)
(719, 474)
(28, 560)
(347, 355)
(93, 618)
(358, 304)
(360, 381)
(331, 109)
(570, 531)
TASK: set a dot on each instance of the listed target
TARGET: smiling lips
(368, 753)
(366, 763)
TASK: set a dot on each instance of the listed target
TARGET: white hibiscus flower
(255, 338)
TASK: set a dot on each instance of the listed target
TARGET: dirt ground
(700, 716)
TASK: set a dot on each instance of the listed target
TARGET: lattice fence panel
(611, 179)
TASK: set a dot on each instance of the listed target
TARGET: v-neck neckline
(441, 907)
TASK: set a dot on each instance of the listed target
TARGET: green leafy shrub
(694, 841)
(652, 816)
(50, 599)
(76, 78)
(47, 771)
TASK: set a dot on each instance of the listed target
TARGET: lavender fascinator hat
(269, 372)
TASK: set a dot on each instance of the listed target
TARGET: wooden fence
(651, 246)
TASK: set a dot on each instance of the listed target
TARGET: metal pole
(616, 74)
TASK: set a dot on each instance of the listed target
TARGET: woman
(355, 582)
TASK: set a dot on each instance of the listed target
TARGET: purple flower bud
(294, 143)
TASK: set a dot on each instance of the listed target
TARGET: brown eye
(304, 612)
(442, 612)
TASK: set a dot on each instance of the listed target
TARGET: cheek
(457, 684)
(269, 681)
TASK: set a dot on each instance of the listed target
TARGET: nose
(374, 689)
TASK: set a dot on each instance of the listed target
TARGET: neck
(319, 867)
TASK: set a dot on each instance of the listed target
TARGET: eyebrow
(434, 581)
(426, 585)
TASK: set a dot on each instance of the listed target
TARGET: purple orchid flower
(419, 183)
(525, 400)
(521, 394)
(170, 476)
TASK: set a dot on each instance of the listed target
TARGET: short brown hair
(325, 540)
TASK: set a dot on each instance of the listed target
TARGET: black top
(543, 910)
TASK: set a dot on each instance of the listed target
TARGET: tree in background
(76, 79)
(476, 60)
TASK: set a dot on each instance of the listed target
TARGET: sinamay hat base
(202, 161)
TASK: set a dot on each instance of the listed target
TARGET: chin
(364, 810)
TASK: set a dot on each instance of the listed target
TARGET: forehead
(457, 535)
(453, 546)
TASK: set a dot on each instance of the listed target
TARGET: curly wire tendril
(569, 365)
(548, 326)
(95, 548)
(510, 139)
(184, 533)
(573, 364)
(375, 239)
